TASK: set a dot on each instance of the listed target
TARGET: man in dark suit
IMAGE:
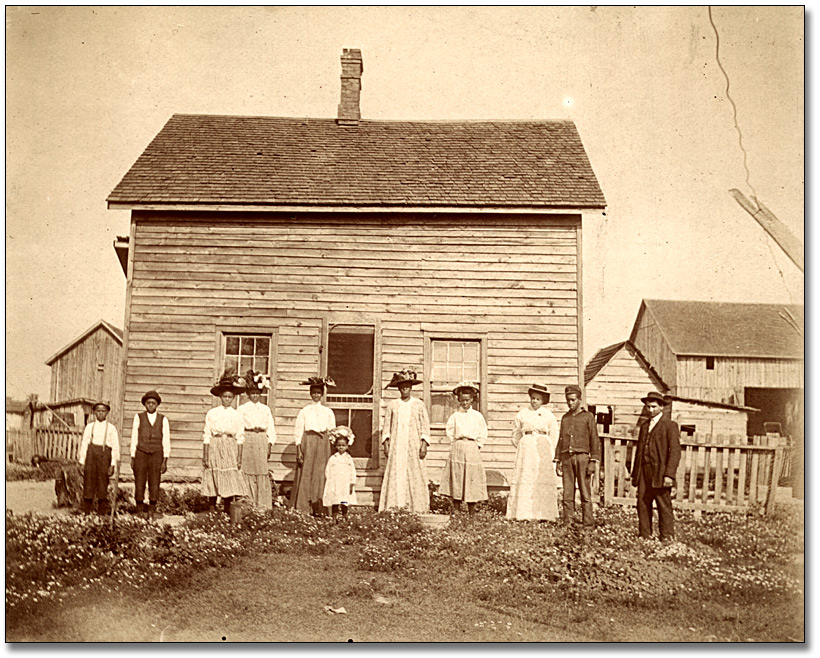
(656, 463)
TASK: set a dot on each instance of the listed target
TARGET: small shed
(18, 413)
(618, 376)
(88, 368)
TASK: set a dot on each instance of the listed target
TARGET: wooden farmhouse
(354, 248)
(747, 355)
(618, 376)
(88, 369)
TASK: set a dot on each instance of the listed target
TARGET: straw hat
(540, 388)
(465, 386)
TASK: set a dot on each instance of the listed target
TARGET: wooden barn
(89, 368)
(748, 355)
(354, 248)
(618, 376)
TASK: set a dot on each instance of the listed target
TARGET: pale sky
(88, 88)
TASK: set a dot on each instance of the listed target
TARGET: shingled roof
(726, 329)
(201, 159)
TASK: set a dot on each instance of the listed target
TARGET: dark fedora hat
(406, 376)
(654, 396)
(151, 395)
(539, 388)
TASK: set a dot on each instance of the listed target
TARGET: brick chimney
(352, 68)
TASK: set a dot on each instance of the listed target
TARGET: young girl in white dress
(340, 474)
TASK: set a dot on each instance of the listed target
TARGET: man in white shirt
(150, 446)
(99, 451)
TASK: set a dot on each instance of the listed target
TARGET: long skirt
(310, 480)
(222, 478)
(533, 489)
(463, 477)
(255, 469)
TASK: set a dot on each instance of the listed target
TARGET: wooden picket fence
(716, 473)
(53, 443)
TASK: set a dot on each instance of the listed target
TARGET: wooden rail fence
(716, 473)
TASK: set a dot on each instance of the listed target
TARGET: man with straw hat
(99, 451)
(656, 463)
(150, 447)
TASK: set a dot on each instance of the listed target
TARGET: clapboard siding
(621, 383)
(512, 281)
(650, 341)
(709, 420)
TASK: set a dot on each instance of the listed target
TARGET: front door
(351, 363)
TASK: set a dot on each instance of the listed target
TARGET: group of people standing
(237, 446)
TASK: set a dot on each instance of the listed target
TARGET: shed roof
(110, 328)
(204, 159)
(16, 406)
(605, 354)
(727, 329)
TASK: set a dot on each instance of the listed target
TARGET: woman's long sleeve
(517, 431)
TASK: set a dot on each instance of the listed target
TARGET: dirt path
(29, 496)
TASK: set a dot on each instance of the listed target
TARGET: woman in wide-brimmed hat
(312, 449)
(463, 478)
(534, 487)
(260, 435)
(405, 437)
(222, 445)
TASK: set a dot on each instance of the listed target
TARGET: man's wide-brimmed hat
(151, 395)
(256, 382)
(341, 432)
(539, 388)
(319, 381)
(465, 386)
(228, 382)
(101, 403)
(406, 376)
(654, 396)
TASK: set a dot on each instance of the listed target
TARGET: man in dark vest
(150, 445)
(656, 463)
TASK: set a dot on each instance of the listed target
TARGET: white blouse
(255, 415)
(538, 421)
(313, 418)
(468, 424)
(223, 420)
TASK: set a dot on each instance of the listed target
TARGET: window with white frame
(243, 352)
(452, 361)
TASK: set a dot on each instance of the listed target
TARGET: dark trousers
(575, 471)
(95, 474)
(147, 468)
(662, 496)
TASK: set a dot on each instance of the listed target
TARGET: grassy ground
(283, 597)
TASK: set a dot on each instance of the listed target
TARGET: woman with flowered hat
(312, 449)
(340, 473)
(405, 438)
(463, 478)
(534, 486)
(222, 442)
(260, 435)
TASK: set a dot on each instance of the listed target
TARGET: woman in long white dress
(405, 437)
(260, 435)
(533, 490)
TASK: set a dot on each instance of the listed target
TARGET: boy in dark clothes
(150, 445)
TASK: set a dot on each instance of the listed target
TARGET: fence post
(773, 477)
(609, 472)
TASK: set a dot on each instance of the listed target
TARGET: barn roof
(204, 159)
(110, 328)
(727, 329)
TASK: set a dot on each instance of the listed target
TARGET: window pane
(232, 345)
(439, 352)
(443, 405)
(231, 363)
(260, 364)
(246, 345)
(245, 364)
(471, 371)
(453, 374)
(350, 358)
(439, 373)
(263, 346)
(471, 352)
